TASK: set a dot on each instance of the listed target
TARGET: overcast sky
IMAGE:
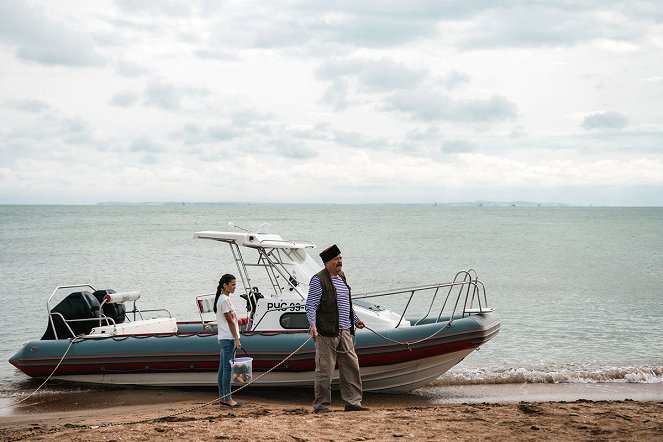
(331, 101)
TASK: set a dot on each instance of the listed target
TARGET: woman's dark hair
(225, 279)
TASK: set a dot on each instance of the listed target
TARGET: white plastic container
(241, 370)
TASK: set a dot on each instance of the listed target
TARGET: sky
(331, 101)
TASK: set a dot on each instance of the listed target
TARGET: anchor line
(71, 342)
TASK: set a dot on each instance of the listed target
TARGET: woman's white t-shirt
(225, 305)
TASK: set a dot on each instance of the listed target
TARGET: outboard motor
(77, 305)
(115, 311)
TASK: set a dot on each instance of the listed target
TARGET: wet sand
(167, 415)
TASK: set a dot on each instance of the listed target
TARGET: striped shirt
(342, 300)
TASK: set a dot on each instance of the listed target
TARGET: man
(333, 321)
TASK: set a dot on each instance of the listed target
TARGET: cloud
(398, 87)
(537, 24)
(604, 120)
(429, 106)
(216, 54)
(337, 95)
(380, 75)
(41, 40)
(28, 105)
(54, 129)
(353, 139)
(165, 96)
(144, 144)
(222, 133)
(175, 8)
(169, 96)
(376, 31)
(124, 99)
(457, 146)
(194, 134)
(131, 70)
(379, 24)
(431, 143)
(296, 151)
(454, 78)
(334, 26)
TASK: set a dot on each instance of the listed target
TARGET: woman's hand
(237, 343)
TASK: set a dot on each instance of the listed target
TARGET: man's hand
(314, 331)
(360, 324)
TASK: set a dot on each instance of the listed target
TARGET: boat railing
(455, 299)
(66, 322)
(138, 314)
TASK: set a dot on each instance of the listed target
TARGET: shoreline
(279, 414)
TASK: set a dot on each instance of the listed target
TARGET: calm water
(579, 290)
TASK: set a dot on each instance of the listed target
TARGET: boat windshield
(299, 264)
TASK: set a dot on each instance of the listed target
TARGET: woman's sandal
(235, 405)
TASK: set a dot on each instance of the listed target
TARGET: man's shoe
(350, 407)
(321, 410)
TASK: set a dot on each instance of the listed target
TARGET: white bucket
(241, 370)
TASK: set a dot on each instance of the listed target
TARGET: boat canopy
(254, 240)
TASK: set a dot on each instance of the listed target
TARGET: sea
(579, 290)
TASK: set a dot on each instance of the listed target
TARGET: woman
(228, 333)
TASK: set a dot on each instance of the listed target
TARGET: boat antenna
(232, 224)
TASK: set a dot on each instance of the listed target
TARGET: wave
(641, 375)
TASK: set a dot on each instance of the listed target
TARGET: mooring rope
(49, 376)
(409, 344)
(198, 407)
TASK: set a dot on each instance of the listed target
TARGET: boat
(413, 335)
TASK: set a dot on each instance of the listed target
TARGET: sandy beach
(160, 415)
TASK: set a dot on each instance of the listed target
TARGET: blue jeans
(226, 351)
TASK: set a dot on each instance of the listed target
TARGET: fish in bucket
(241, 370)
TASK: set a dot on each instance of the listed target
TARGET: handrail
(462, 292)
(140, 313)
(67, 321)
(48, 306)
(48, 301)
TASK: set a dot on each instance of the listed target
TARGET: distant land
(503, 204)
(446, 204)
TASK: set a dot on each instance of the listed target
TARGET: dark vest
(326, 316)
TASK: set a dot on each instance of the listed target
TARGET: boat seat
(205, 304)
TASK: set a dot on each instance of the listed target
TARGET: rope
(47, 379)
(409, 344)
(176, 413)
(198, 407)
(386, 338)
